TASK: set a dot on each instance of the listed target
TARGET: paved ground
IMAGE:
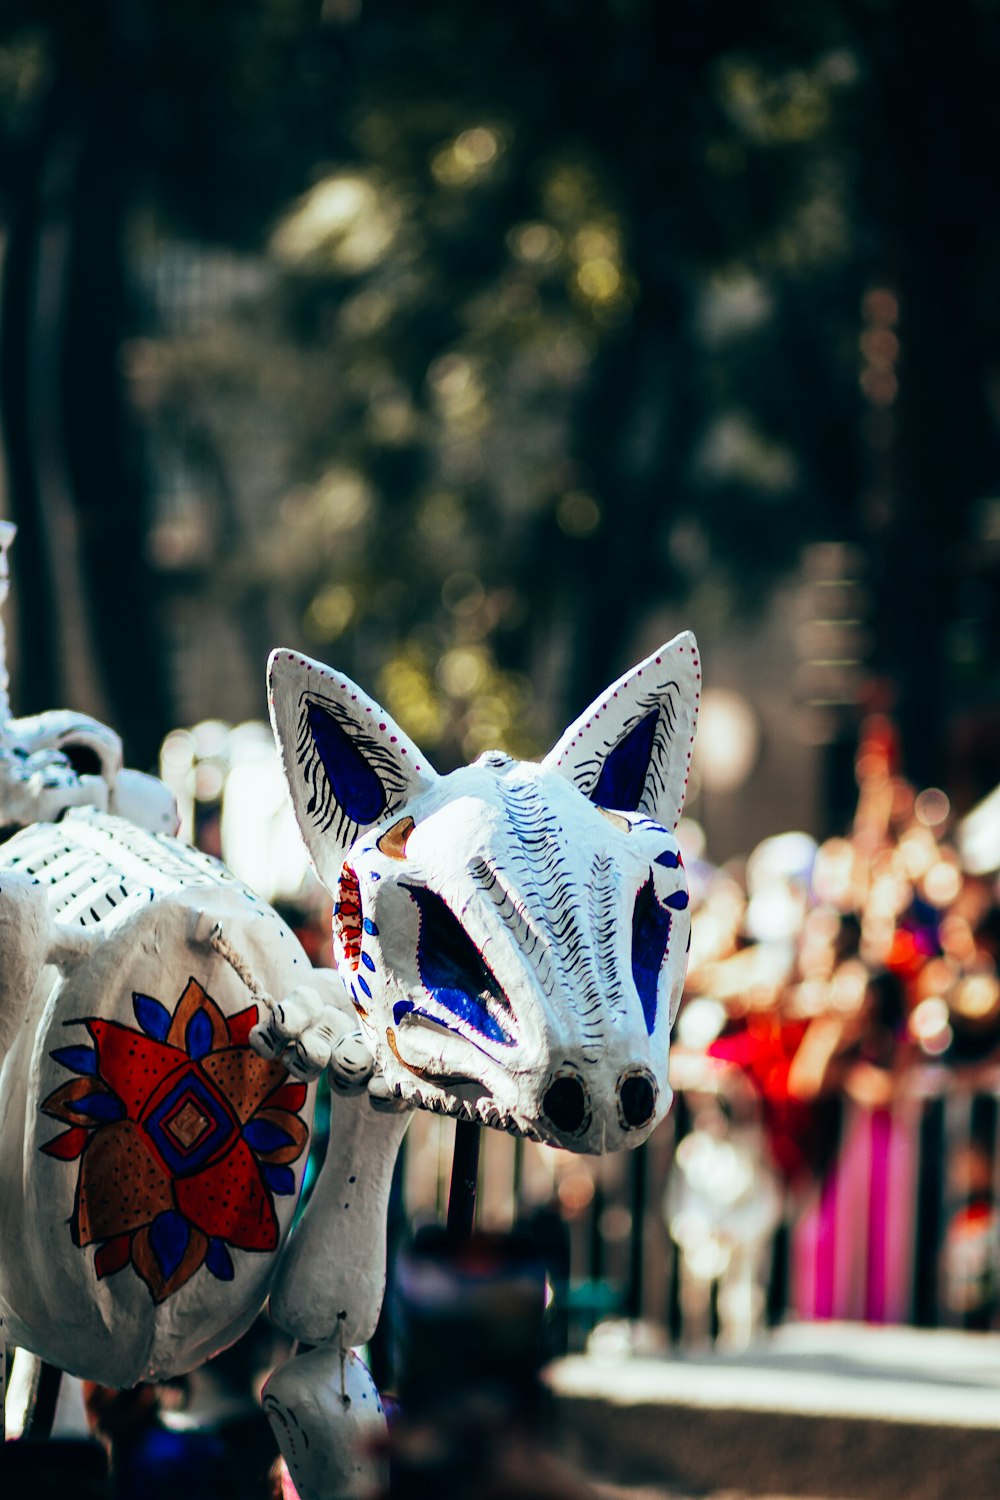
(644, 1492)
(835, 1412)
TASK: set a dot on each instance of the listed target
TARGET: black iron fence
(696, 1237)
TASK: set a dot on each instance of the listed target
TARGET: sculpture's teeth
(482, 1111)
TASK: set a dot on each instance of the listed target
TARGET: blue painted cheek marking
(650, 937)
(668, 859)
(678, 901)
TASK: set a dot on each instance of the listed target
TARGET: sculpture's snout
(570, 1113)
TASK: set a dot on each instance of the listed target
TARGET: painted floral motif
(185, 1136)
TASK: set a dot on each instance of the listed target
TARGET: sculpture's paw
(328, 1434)
(309, 1031)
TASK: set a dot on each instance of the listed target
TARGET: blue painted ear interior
(623, 776)
(354, 784)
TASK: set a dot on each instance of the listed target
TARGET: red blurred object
(801, 1134)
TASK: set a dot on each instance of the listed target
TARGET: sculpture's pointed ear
(631, 750)
(347, 763)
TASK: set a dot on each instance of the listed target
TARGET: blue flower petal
(198, 1037)
(281, 1180)
(262, 1135)
(169, 1236)
(104, 1107)
(76, 1059)
(219, 1261)
(153, 1017)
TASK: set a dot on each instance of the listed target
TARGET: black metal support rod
(42, 1412)
(464, 1179)
(633, 1294)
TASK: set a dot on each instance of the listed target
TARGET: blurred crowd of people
(844, 997)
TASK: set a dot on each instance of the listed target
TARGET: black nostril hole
(638, 1100)
(565, 1104)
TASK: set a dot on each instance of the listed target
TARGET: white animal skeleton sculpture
(511, 945)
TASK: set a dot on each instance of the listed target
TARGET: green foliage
(549, 325)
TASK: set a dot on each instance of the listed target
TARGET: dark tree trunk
(87, 626)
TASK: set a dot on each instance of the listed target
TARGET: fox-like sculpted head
(513, 935)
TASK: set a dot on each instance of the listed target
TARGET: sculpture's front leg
(328, 1291)
(327, 1417)
(331, 1280)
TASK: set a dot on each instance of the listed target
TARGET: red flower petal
(243, 1079)
(113, 1256)
(228, 1201)
(69, 1145)
(241, 1025)
(131, 1064)
(121, 1186)
(290, 1096)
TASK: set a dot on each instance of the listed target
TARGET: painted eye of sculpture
(454, 972)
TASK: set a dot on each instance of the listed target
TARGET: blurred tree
(558, 316)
